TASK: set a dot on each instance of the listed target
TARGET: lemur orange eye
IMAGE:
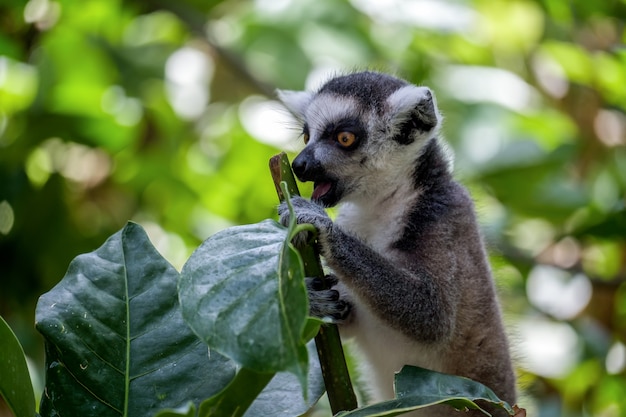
(346, 139)
(306, 138)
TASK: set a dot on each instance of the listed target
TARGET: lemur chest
(379, 227)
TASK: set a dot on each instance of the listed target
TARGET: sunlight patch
(558, 293)
(550, 349)
(476, 84)
(266, 121)
(188, 72)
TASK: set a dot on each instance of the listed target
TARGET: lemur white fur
(414, 284)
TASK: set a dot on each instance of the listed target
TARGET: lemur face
(360, 129)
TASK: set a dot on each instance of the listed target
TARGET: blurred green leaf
(533, 183)
(15, 385)
(573, 60)
(18, 85)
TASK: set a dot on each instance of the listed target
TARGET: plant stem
(328, 343)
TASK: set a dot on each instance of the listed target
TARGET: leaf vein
(79, 382)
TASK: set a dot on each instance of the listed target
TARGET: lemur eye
(305, 133)
(346, 139)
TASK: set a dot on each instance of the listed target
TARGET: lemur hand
(325, 302)
(306, 211)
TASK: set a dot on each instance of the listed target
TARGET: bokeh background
(163, 112)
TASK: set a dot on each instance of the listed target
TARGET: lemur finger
(320, 284)
(300, 239)
(331, 280)
(326, 304)
(337, 311)
(315, 284)
(323, 303)
(342, 311)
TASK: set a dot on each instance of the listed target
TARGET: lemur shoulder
(413, 282)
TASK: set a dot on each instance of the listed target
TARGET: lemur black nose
(306, 166)
(299, 166)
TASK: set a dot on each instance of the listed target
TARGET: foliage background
(162, 112)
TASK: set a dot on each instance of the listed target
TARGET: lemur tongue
(320, 190)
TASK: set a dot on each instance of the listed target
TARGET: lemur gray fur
(413, 285)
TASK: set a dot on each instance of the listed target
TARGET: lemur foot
(324, 302)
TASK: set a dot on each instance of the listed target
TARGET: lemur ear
(416, 105)
(295, 101)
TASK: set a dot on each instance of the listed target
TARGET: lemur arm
(409, 299)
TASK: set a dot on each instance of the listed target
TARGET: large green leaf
(418, 388)
(237, 396)
(15, 384)
(249, 394)
(242, 292)
(282, 397)
(116, 342)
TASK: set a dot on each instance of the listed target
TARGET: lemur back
(412, 274)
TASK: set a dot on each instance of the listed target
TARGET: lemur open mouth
(321, 189)
(325, 193)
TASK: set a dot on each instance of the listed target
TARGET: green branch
(334, 369)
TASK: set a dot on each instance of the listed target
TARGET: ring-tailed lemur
(411, 272)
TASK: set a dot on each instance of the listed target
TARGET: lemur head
(361, 131)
